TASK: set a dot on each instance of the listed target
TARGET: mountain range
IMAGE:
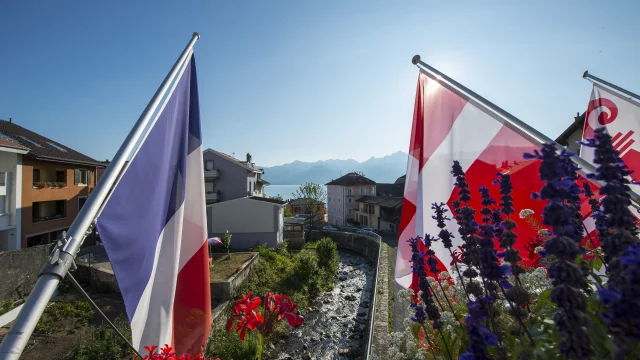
(385, 169)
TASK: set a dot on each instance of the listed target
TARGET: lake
(286, 191)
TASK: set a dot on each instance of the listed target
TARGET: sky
(302, 80)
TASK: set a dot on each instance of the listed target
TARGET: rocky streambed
(335, 326)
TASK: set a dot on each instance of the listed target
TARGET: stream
(336, 322)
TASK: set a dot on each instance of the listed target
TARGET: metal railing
(211, 197)
(211, 174)
(374, 299)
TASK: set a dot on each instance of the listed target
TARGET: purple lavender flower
(507, 236)
(479, 335)
(623, 302)
(568, 277)
(490, 270)
(615, 223)
(440, 217)
(426, 296)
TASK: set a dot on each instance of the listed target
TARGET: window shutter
(76, 177)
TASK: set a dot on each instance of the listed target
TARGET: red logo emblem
(604, 117)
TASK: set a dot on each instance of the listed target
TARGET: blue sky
(301, 80)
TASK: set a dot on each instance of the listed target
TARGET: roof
(264, 182)
(41, 147)
(305, 201)
(236, 161)
(577, 125)
(390, 190)
(4, 142)
(382, 201)
(269, 200)
(401, 179)
(293, 220)
(352, 179)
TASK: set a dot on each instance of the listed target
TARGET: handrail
(374, 300)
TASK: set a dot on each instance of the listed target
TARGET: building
(342, 193)
(382, 211)
(250, 220)
(570, 137)
(306, 206)
(56, 181)
(379, 212)
(11, 153)
(227, 178)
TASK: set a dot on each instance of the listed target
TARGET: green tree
(313, 196)
(287, 211)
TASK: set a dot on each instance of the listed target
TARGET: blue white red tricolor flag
(448, 126)
(153, 227)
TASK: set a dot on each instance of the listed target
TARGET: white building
(10, 193)
(342, 194)
(250, 220)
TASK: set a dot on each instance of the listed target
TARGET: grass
(59, 316)
(224, 267)
(102, 343)
(6, 306)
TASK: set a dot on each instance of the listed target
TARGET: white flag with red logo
(621, 117)
(448, 126)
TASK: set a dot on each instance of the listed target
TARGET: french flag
(448, 126)
(153, 228)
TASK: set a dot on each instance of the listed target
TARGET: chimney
(10, 121)
(248, 158)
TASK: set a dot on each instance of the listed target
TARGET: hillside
(384, 170)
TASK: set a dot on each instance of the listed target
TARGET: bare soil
(224, 268)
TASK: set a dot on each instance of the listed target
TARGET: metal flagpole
(586, 75)
(66, 250)
(511, 121)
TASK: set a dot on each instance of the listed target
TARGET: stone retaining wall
(225, 290)
(20, 270)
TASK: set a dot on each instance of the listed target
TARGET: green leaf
(415, 331)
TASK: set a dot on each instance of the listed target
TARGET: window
(349, 200)
(35, 210)
(208, 165)
(60, 207)
(329, 199)
(349, 192)
(7, 137)
(81, 201)
(36, 175)
(373, 190)
(81, 177)
(57, 146)
(3, 178)
(349, 211)
(339, 199)
(61, 176)
(31, 141)
(361, 191)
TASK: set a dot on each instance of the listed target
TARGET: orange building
(56, 181)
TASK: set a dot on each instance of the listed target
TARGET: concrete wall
(20, 269)
(335, 202)
(249, 221)
(232, 182)
(365, 245)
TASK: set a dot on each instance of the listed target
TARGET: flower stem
(450, 306)
(426, 335)
(455, 263)
(594, 247)
(515, 313)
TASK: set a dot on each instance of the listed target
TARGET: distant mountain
(383, 170)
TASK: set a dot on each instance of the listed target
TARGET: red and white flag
(621, 117)
(448, 126)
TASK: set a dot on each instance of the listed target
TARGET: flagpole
(511, 121)
(62, 257)
(586, 75)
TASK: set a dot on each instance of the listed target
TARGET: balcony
(211, 197)
(47, 210)
(211, 174)
(49, 185)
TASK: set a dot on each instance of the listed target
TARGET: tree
(313, 196)
(226, 241)
(287, 212)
